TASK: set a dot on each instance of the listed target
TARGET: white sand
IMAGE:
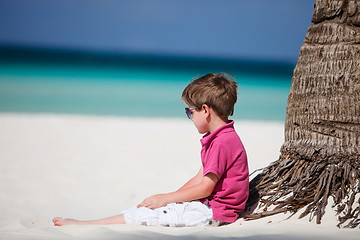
(93, 167)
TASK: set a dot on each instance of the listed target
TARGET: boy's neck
(217, 122)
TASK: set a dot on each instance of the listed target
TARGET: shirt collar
(208, 137)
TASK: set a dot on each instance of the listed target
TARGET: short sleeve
(215, 161)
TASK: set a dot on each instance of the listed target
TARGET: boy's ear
(206, 108)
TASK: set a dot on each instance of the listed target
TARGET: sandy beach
(89, 167)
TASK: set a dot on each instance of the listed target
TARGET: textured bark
(321, 153)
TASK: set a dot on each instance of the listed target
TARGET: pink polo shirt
(224, 155)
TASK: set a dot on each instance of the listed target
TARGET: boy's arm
(197, 191)
(194, 180)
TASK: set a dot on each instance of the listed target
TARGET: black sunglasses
(189, 111)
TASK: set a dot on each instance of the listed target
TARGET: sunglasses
(189, 111)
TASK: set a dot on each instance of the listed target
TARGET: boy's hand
(155, 201)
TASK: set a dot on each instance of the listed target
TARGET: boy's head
(216, 90)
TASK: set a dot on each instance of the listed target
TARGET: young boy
(219, 191)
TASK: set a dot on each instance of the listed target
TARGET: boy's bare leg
(118, 219)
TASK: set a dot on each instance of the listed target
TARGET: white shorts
(173, 215)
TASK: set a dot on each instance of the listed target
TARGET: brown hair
(217, 90)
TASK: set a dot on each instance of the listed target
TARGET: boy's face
(199, 119)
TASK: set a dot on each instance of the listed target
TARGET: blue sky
(252, 29)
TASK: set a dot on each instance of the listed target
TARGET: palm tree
(321, 153)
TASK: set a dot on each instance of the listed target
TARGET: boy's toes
(58, 221)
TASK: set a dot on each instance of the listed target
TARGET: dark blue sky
(252, 29)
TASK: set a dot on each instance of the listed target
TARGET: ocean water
(134, 86)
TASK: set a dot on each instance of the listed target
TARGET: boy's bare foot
(58, 221)
(118, 219)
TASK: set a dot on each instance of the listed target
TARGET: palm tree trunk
(321, 153)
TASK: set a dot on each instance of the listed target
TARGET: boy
(218, 193)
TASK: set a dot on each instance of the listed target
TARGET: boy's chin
(201, 131)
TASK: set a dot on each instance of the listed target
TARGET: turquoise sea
(68, 82)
